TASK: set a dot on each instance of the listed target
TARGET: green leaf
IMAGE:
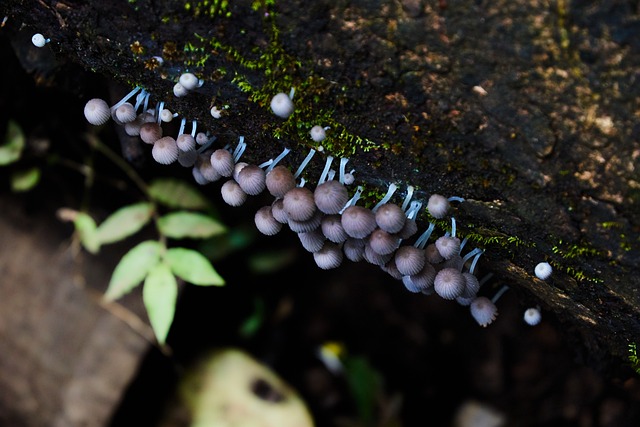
(191, 266)
(124, 222)
(160, 293)
(14, 143)
(177, 194)
(133, 268)
(86, 229)
(178, 225)
(25, 180)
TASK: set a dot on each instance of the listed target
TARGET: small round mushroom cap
(126, 113)
(448, 246)
(390, 217)
(438, 206)
(317, 133)
(409, 228)
(354, 249)
(277, 209)
(372, 257)
(237, 168)
(186, 142)
(165, 150)
(251, 179)
(383, 242)
(330, 197)
(298, 204)
(187, 158)
(330, 256)
(232, 194)
(39, 40)
(543, 270)
(279, 180)
(483, 311)
(222, 162)
(312, 223)
(179, 91)
(449, 283)
(150, 132)
(532, 316)
(189, 81)
(358, 221)
(166, 115)
(197, 176)
(266, 223)
(331, 227)
(206, 168)
(471, 285)
(201, 138)
(409, 260)
(424, 279)
(432, 254)
(312, 240)
(97, 111)
(282, 105)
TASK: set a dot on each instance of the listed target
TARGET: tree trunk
(525, 109)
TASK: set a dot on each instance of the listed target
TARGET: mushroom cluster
(327, 218)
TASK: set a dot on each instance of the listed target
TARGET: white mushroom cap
(483, 310)
(165, 150)
(532, 316)
(449, 283)
(97, 111)
(543, 270)
(318, 133)
(189, 81)
(438, 206)
(265, 222)
(282, 105)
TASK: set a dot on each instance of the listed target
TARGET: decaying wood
(526, 109)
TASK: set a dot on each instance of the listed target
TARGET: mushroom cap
(409, 260)
(354, 249)
(432, 254)
(179, 90)
(312, 240)
(186, 142)
(532, 316)
(38, 40)
(298, 203)
(317, 133)
(448, 246)
(331, 196)
(150, 132)
(391, 269)
(252, 180)
(409, 228)
(206, 168)
(166, 115)
(372, 257)
(330, 256)
(232, 194)
(222, 162)
(312, 223)
(331, 226)
(282, 105)
(438, 206)
(97, 111)
(358, 222)
(126, 113)
(189, 81)
(187, 158)
(424, 279)
(483, 310)
(471, 285)
(449, 283)
(383, 242)
(543, 270)
(277, 209)
(165, 150)
(279, 180)
(265, 222)
(390, 217)
(197, 176)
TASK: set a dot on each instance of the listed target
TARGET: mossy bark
(528, 110)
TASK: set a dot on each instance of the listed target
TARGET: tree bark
(527, 110)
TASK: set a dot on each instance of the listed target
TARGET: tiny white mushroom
(39, 40)
(532, 316)
(543, 270)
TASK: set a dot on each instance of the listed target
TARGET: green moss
(633, 358)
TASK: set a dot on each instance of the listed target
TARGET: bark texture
(527, 109)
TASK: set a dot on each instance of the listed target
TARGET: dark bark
(527, 110)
